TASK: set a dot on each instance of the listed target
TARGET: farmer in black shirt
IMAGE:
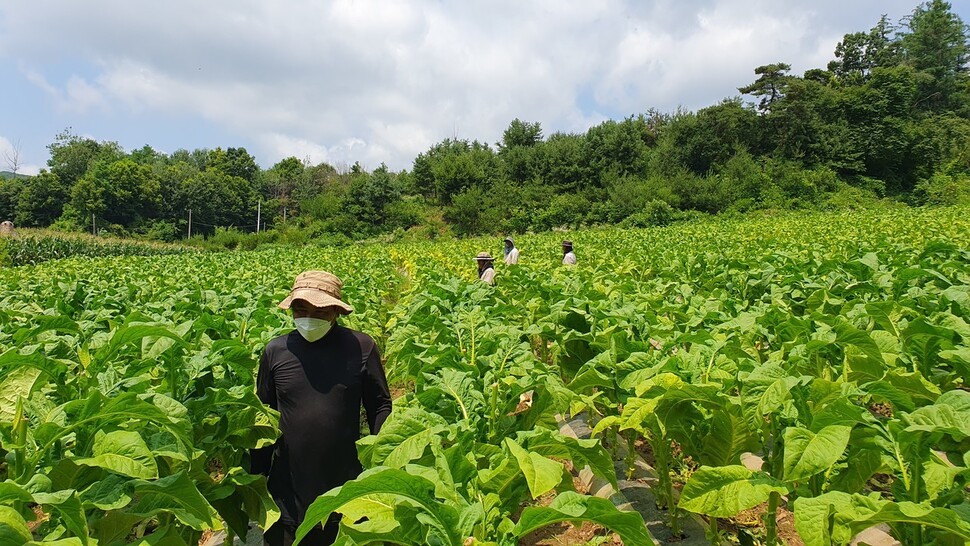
(317, 377)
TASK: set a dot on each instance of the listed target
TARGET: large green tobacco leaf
(98, 412)
(441, 519)
(836, 517)
(164, 536)
(581, 452)
(593, 374)
(850, 335)
(949, 415)
(541, 473)
(380, 510)
(726, 490)
(767, 390)
(12, 492)
(19, 382)
(64, 503)
(571, 506)
(230, 417)
(925, 341)
(959, 358)
(450, 473)
(70, 541)
(124, 452)
(504, 478)
(381, 519)
(113, 526)
(67, 505)
(152, 347)
(868, 453)
(177, 495)
(404, 437)
(107, 494)
(127, 334)
(46, 323)
(730, 437)
(13, 528)
(677, 409)
(29, 357)
(458, 386)
(242, 497)
(808, 453)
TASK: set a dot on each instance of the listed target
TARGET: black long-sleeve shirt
(318, 388)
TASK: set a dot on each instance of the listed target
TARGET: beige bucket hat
(484, 256)
(320, 289)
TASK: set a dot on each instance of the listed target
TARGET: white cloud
(77, 95)
(374, 80)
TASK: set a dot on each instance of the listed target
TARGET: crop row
(33, 247)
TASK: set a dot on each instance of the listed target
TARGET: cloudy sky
(376, 81)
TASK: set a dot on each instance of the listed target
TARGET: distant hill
(8, 174)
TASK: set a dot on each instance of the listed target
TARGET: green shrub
(942, 189)
(656, 213)
(873, 185)
(332, 239)
(226, 237)
(604, 212)
(433, 227)
(567, 210)
(472, 213)
(293, 235)
(630, 194)
(161, 230)
(848, 197)
(403, 214)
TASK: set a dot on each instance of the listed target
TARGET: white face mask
(311, 328)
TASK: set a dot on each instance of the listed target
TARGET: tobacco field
(835, 346)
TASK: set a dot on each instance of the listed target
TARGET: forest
(886, 122)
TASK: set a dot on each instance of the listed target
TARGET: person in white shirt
(568, 257)
(486, 271)
(511, 253)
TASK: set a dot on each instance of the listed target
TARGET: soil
(398, 391)
(645, 451)
(751, 521)
(562, 534)
(565, 533)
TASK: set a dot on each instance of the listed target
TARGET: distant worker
(6, 228)
(486, 271)
(511, 253)
(568, 257)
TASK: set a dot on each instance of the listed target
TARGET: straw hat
(484, 256)
(567, 243)
(320, 289)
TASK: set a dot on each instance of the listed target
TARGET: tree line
(889, 117)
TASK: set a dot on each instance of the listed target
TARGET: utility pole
(94, 227)
(259, 209)
(284, 215)
(190, 224)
